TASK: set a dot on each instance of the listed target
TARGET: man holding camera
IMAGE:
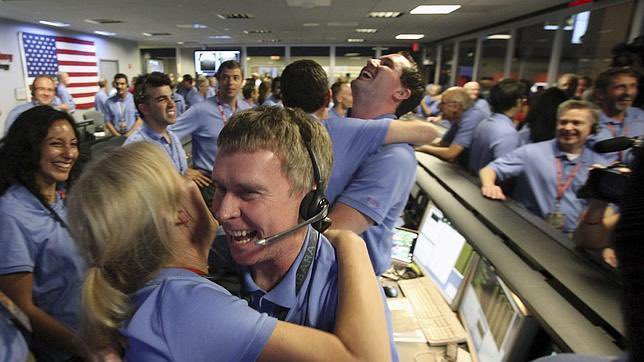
(550, 172)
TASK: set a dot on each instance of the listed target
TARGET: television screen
(208, 61)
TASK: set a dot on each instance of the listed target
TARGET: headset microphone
(320, 217)
(618, 144)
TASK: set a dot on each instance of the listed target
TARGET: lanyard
(624, 132)
(52, 212)
(562, 186)
(221, 110)
(300, 275)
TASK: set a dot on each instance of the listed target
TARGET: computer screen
(208, 61)
(403, 244)
(441, 252)
(495, 318)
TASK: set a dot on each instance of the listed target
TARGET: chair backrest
(98, 118)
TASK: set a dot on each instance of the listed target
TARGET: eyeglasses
(43, 89)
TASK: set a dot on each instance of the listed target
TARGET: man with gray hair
(66, 99)
(457, 107)
(549, 173)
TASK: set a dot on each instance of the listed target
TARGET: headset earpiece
(314, 202)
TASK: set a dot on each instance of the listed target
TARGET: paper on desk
(406, 328)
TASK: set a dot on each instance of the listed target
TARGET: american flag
(45, 54)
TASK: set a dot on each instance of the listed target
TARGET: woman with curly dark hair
(41, 269)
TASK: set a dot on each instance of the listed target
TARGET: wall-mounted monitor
(208, 61)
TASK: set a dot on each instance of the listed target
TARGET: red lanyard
(561, 185)
(613, 131)
(221, 110)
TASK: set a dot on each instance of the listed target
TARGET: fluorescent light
(499, 36)
(368, 31)
(352, 55)
(355, 40)
(434, 9)
(219, 37)
(384, 14)
(106, 33)
(192, 26)
(180, 42)
(146, 34)
(310, 25)
(54, 23)
(409, 36)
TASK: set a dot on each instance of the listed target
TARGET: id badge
(122, 126)
(556, 219)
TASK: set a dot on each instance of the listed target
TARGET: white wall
(124, 51)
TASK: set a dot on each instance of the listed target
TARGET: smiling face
(573, 128)
(44, 91)
(159, 108)
(58, 154)
(621, 93)
(253, 202)
(473, 89)
(380, 78)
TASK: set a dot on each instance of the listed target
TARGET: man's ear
(327, 99)
(401, 94)
(143, 109)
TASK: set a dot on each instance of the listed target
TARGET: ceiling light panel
(409, 36)
(434, 9)
(384, 14)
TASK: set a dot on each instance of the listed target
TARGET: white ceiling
(284, 22)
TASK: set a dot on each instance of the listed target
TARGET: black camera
(607, 184)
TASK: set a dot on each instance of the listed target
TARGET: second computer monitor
(442, 253)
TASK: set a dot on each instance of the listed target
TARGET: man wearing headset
(269, 177)
(43, 92)
(550, 172)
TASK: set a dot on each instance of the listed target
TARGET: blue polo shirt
(334, 114)
(32, 241)
(179, 103)
(380, 189)
(117, 109)
(204, 122)
(17, 111)
(353, 140)
(317, 300)
(461, 133)
(535, 167)
(272, 101)
(66, 97)
(432, 104)
(99, 101)
(483, 105)
(180, 316)
(632, 126)
(525, 136)
(494, 137)
(193, 97)
(174, 150)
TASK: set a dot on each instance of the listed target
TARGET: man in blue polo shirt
(203, 121)
(43, 92)
(66, 99)
(549, 173)
(458, 108)
(262, 172)
(121, 117)
(473, 89)
(496, 136)
(616, 89)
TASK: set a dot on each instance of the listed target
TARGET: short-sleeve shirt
(119, 110)
(66, 97)
(180, 316)
(353, 140)
(174, 150)
(535, 167)
(204, 121)
(483, 105)
(193, 97)
(32, 241)
(494, 137)
(380, 189)
(179, 102)
(99, 101)
(632, 126)
(315, 304)
(461, 133)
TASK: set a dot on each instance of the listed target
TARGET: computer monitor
(403, 245)
(208, 61)
(442, 254)
(496, 319)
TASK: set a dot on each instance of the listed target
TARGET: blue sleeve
(11, 118)
(188, 123)
(380, 182)
(510, 165)
(467, 127)
(15, 252)
(201, 323)
(108, 116)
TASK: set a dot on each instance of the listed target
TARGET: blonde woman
(146, 235)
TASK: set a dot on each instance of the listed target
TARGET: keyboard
(437, 321)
